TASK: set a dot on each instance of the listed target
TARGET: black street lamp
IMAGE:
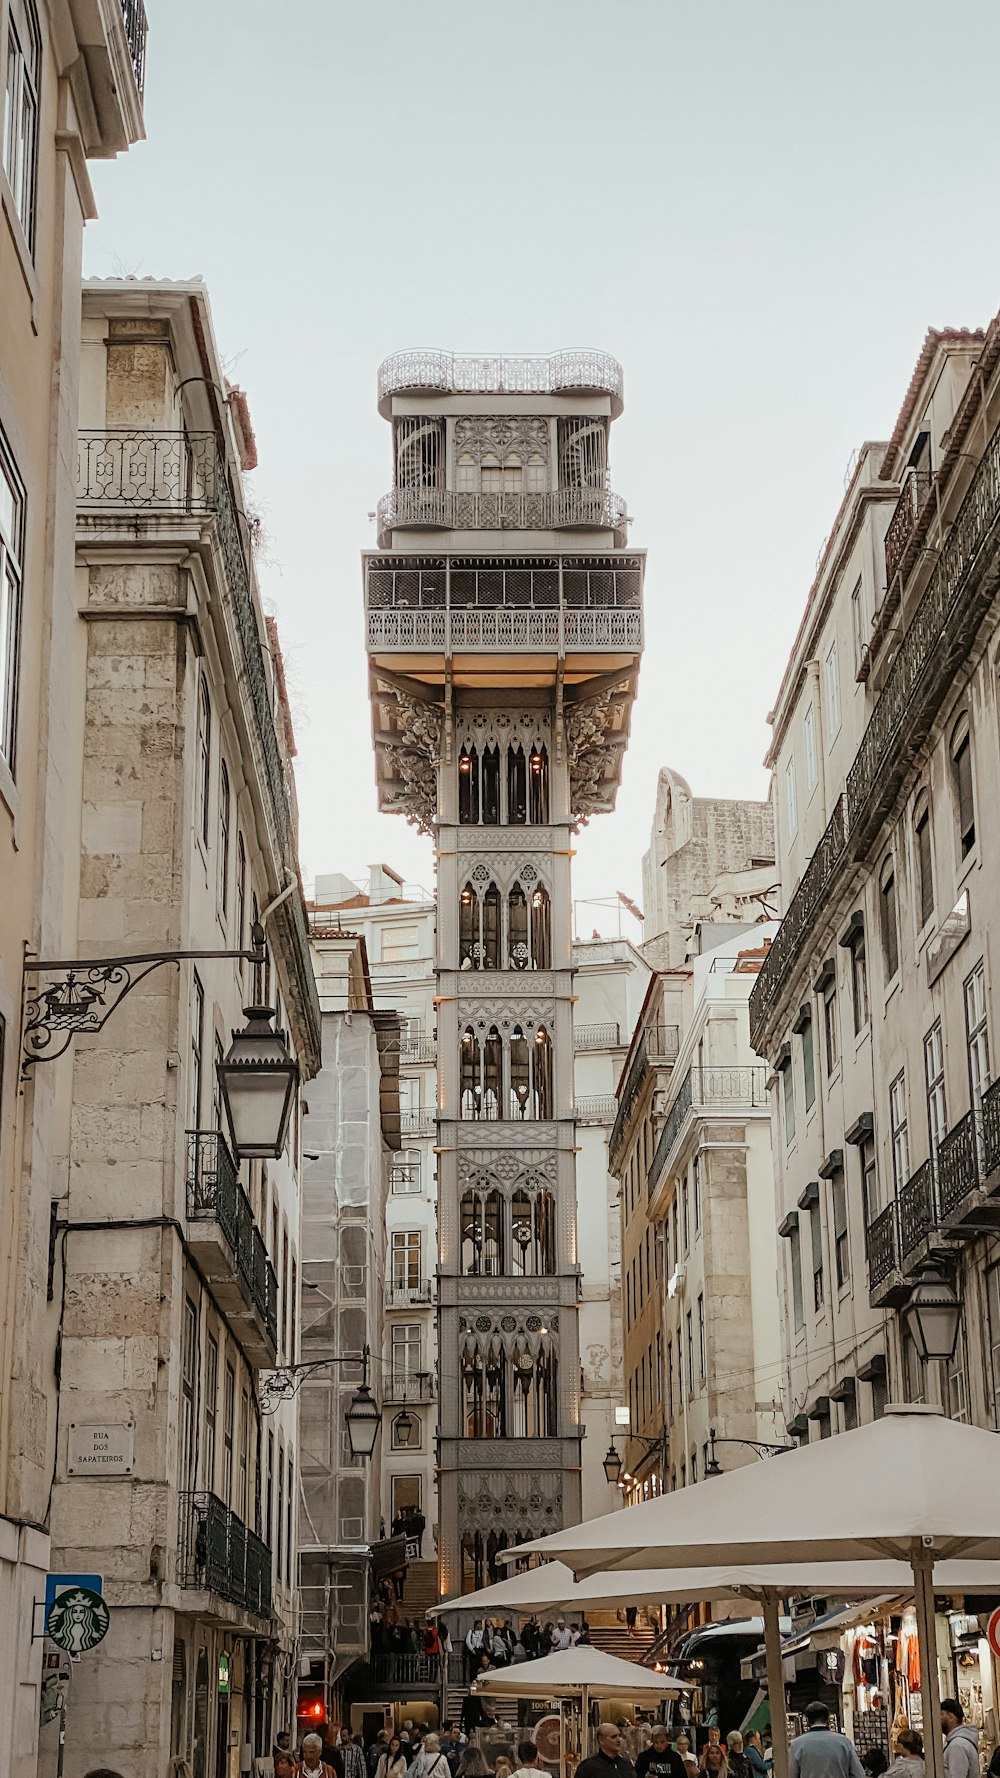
(257, 1079)
(613, 1466)
(362, 1418)
(933, 1314)
(713, 1467)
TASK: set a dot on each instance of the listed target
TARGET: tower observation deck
(504, 629)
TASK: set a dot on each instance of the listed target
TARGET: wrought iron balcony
(597, 1037)
(707, 1092)
(596, 1108)
(219, 1554)
(555, 603)
(554, 510)
(229, 1247)
(916, 490)
(958, 1163)
(144, 471)
(402, 1386)
(420, 1120)
(919, 1209)
(883, 1246)
(136, 28)
(656, 1047)
(797, 926)
(488, 374)
(409, 1296)
(413, 1049)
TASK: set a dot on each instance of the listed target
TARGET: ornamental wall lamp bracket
(713, 1467)
(363, 1417)
(64, 996)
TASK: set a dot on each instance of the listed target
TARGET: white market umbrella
(580, 1672)
(913, 1486)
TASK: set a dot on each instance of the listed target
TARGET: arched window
(962, 786)
(542, 1074)
(528, 928)
(923, 851)
(518, 953)
(520, 1075)
(517, 786)
(468, 787)
(483, 1234)
(533, 1395)
(481, 1558)
(541, 943)
(480, 1075)
(889, 918)
(538, 786)
(484, 1389)
(468, 928)
(532, 1234)
(491, 787)
(479, 928)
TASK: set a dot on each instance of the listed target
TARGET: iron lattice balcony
(911, 502)
(218, 1553)
(657, 1048)
(229, 1247)
(136, 28)
(555, 604)
(403, 1386)
(418, 1121)
(556, 509)
(596, 1108)
(459, 373)
(709, 1091)
(409, 1296)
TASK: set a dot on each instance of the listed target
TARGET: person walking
(561, 1637)
(473, 1763)
(392, 1763)
(754, 1750)
(312, 1764)
(909, 1761)
(737, 1760)
(713, 1755)
(528, 1760)
(961, 1741)
(659, 1760)
(822, 1752)
(430, 1761)
(473, 1648)
(609, 1761)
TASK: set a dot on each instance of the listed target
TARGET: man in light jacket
(820, 1752)
(961, 1741)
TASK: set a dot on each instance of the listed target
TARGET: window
(702, 1361)
(11, 559)
(923, 858)
(228, 1434)
(405, 1347)
(888, 919)
(696, 1190)
(816, 1231)
(914, 1371)
(957, 1378)
(197, 1042)
(283, 1322)
(788, 1103)
(670, 1364)
(859, 982)
(900, 1136)
(189, 1389)
(831, 1029)
(795, 1261)
(831, 685)
(974, 990)
(965, 805)
(293, 1337)
(224, 801)
(405, 1259)
(269, 1491)
(993, 1334)
(841, 1244)
(20, 122)
(808, 1065)
(685, 1220)
(869, 1180)
(204, 758)
(858, 626)
(937, 1114)
(689, 1324)
(241, 894)
(400, 944)
(211, 1409)
(809, 749)
(280, 1521)
(409, 1436)
(404, 1177)
(290, 1528)
(791, 801)
(244, 1469)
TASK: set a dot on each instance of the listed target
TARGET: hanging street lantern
(363, 1419)
(613, 1466)
(933, 1314)
(257, 1079)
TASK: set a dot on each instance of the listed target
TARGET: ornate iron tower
(504, 629)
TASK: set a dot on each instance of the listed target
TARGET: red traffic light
(311, 1707)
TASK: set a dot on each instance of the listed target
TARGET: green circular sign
(78, 1620)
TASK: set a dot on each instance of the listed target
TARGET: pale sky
(758, 206)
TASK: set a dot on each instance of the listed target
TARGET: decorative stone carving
(588, 780)
(530, 842)
(413, 759)
(502, 436)
(515, 1135)
(482, 868)
(509, 981)
(594, 740)
(420, 724)
(507, 1329)
(506, 1171)
(481, 1013)
(476, 1291)
(527, 1503)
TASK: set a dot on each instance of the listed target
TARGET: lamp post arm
(284, 1382)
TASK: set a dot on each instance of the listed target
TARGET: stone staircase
(421, 1590)
(614, 1639)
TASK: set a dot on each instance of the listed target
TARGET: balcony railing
(136, 27)
(417, 1049)
(958, 1163)
(919, 1211)
(454, 602)
(556, 509)
(218, 1553)
(409, 1296)
(955, 1192)
(468, 373)
(147, 471)
(401, 1386)
(708, 1090)
(916, 489)
(596, 1108)
(883, 1245)
(936, 638)
(215, 1196)
(418, 1121)
(596, 1037)
(656, 1047)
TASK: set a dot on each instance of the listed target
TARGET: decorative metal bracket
(85, 991)
(758, 1446)
(281, 1385)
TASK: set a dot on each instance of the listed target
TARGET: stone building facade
(174, 1270)
(73, 80)
(877, 1008)
(504, 627)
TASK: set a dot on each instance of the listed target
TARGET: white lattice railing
(454, 511)
(489, 374)
(496, 631)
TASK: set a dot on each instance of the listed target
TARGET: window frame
(13, 531)
(808, 1065)
(831, 1027)
(888, 893)
(861, 1006)
(225, 809)
(791, 800)
(923, 861)
(963, 786)
(810, 754)
(22, 70)
(977, 1035)
(831, 694)
(899, 1131)
(204, 760)
(935, 1089)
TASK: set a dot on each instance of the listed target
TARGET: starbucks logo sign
(78, 1620)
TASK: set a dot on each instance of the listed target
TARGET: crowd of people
(494, 1642)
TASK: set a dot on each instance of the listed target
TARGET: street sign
(100, 1450)
(77, 1620)
(993, 1631)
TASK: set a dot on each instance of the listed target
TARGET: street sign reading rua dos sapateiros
(77, 1620)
